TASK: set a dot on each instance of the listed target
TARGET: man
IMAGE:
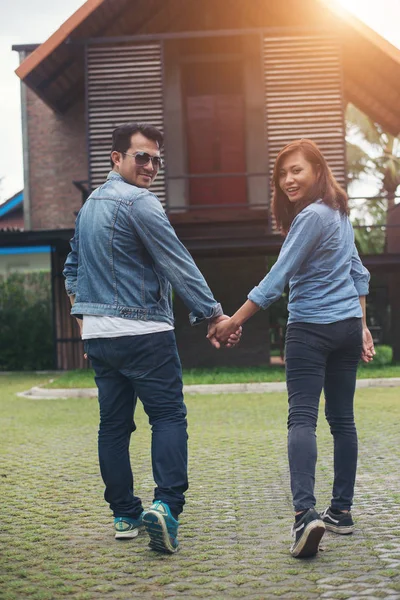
(124, 258)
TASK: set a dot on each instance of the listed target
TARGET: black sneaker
(338, 523)
(307, 533)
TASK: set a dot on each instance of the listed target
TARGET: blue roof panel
(11, 203)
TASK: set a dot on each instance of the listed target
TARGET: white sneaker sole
(308, 544)
(156, 528)
(126, 535)
(342, 530)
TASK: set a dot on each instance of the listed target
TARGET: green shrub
(26, 327)
(383, 356)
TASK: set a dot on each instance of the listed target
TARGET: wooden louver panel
(303, 97)
(124, 84)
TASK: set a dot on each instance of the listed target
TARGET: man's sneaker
(307, 533)
(161, 527)
(127, 528)
(338, 523)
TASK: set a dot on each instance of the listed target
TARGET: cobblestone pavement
(57, 541)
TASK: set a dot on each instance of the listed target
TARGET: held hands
(222, 330)
(368, 350)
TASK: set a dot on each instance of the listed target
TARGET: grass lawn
(56, 538)
(85, 378)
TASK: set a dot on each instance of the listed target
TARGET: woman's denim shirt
(125, 255)
(320, 262)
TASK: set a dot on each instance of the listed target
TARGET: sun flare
(361, 8)
(383, 16)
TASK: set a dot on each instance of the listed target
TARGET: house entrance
(215, 126)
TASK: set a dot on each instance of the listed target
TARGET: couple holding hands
(125, 259)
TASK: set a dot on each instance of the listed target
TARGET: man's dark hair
(121, 137)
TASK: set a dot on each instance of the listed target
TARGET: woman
(326, 334)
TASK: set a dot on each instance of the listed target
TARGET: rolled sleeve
(215, 312)
(359, 274)
(257, 296)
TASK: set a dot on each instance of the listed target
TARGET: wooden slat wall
(124, 84)
(69, 346)
(303, 97)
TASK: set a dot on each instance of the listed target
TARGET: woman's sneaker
(161, 527)
(127, 528)
(307, 532)
(338, 522)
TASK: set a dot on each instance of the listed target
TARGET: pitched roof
(44, 50)
(12, 203)
(371, 65)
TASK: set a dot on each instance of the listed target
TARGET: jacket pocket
(162, 288)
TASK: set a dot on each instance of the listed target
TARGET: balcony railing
(371, 237)
(377, 229)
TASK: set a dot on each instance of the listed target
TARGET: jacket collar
(115, 175)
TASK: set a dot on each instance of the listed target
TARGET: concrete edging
(40, 393)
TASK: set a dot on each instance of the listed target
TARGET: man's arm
(78, 320)
(172, 258)
(70, 271)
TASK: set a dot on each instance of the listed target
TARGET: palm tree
(372, 151)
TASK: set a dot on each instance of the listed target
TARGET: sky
(33, 21)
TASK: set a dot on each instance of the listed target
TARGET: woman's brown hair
(326, 188)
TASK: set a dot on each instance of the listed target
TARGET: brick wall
(15, 220)
(230, 280)
(57, 156)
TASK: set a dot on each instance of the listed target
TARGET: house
(19, 258)
(229, 83)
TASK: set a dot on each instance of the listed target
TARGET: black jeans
(147, 366)
(322, 356)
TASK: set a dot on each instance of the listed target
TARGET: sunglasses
(143, 158)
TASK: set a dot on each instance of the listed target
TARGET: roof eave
(363, 29)
(58, 37)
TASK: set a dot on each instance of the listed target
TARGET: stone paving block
(57, 540)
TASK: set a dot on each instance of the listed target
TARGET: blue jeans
(322, 356)
(148, 367)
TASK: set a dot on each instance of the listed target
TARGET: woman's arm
(303, 237)
(359, 274)
(222, 332)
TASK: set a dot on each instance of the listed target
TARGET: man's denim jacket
(125, 256)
